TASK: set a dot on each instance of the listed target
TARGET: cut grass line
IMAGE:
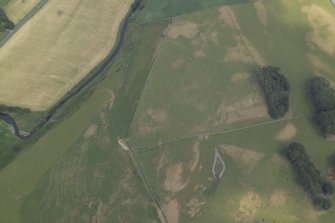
(212, 133)
(150, 74)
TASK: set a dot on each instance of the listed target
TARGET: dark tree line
(5, 23)
(276, 90)
(323, 98)
(308, 176)
(13, 109)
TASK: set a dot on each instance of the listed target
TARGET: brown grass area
(249, 205)
(227, 15)
(278, 198)
(262, 14)
(171, 210)
(151, 120)
(54, 51)
(244, 52)
(194, 207)
(188, 30)
(174, 181)
(250, 107)
(319, 66)
(323, 25)
(240, 77)
(91, 131)
(246, 159)
(17, 9)
(288, 132)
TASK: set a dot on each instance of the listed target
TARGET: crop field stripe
(212, 133)
(150, 72)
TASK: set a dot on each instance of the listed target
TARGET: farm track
(25, 19)
(76, 90)
(145, 181)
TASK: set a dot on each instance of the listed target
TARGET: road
(23, 21)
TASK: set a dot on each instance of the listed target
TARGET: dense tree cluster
(5, 23)
(323, 98)
(13, 109)
(308, 176)
(276, 89)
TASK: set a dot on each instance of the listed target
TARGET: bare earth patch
(288, 132)
(174, 181)
(323, 25)
(250, 203)
(246, 159)
(178, 63)
(171, 211)
(91, 131)
(262, 14)
(194, 207)
(227, 15)
(278, 198)
(188, 30)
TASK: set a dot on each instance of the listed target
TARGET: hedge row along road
(97, 72)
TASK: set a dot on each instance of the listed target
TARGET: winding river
(75, 91)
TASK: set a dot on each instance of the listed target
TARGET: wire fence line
(212, 133)
(149, 75)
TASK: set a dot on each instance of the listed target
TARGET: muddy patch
(171, 211)
(262, 14)
(188, 30)
(278, 198)
(246, 159)
(287, 133)
(250, 203)
(323, 25)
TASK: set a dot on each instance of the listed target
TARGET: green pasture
(178, 99)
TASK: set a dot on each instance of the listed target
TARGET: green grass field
(187, 69)
(204, 63)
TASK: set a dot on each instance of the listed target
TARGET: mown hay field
(59, 46)
(17, 9)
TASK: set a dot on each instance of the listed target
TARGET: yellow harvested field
(58, 47)
(17, 9)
